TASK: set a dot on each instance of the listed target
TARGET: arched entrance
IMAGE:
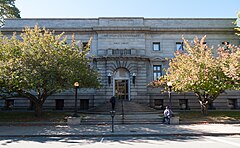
(121, 83)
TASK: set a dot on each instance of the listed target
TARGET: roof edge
(150, 18)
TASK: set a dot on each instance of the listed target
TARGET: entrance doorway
(121, 84)
(121, 89)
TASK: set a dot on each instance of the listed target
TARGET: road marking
(224, 141)
(101, 141)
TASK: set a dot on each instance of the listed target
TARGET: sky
(128, 8)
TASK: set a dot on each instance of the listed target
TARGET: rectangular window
(232, 103)
(32, 105)
(183, 104)
(59, 104)
(179, 46)
(84, 104)
(9, 104)
(121, 51)
(158, 104)
(156, 46)
(211, 106)
(157, 71)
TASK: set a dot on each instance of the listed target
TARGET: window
(158, 104)
(211, 106)
(32, 105)
(183, 104)
(121, 51)
(84, 104)
(156, 46)
(9, 104)
(232, 103)
(157, 71)
(59, 104)
(179, 46)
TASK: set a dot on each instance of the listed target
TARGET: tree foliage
(8, 10)
(201, 71)
(237, 23)
(229, 60)
(41, 63)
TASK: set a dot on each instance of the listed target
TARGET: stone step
(120, 122)
(109, 122)
(128, 106)
(126, 116)
(134, 113)
(120, 113)
(119, 119)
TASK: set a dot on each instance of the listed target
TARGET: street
(163, 142)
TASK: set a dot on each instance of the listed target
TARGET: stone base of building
(73, 120)
(174, 120)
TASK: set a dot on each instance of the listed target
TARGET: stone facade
(128, 52)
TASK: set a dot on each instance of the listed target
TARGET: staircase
(126, 112)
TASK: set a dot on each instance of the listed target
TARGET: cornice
(139, 28)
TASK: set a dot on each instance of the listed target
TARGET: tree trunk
(38, 109)
(204, 108)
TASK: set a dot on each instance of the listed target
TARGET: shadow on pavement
(125, 134)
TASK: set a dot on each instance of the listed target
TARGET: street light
(169, 84)
(76, 85)
(109, 78)
(134, 77)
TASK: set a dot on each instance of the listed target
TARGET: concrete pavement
(119, 130)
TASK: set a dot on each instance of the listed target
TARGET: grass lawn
(213, 116)
(194, 116)
(14, 116)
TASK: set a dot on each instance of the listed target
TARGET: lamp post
(169, 84)
(76, 85)
(112, 113)
(134, 77)
(109, 78)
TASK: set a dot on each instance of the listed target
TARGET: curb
(123, 135)
(31, 123)
(65, 123)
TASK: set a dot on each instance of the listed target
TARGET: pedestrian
(167, 114)
(113, 102)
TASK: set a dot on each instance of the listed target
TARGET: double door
(122, 89)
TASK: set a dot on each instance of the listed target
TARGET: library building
(129, 53)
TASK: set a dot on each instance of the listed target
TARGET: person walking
(167, 114)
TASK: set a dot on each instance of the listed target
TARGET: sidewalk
(119, 130)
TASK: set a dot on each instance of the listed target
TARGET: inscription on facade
(120, 22)
(121, 36)
(120, 43)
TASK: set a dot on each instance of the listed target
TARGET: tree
(41, 64)
(8, 10)
(229, 59)
(197, 70)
